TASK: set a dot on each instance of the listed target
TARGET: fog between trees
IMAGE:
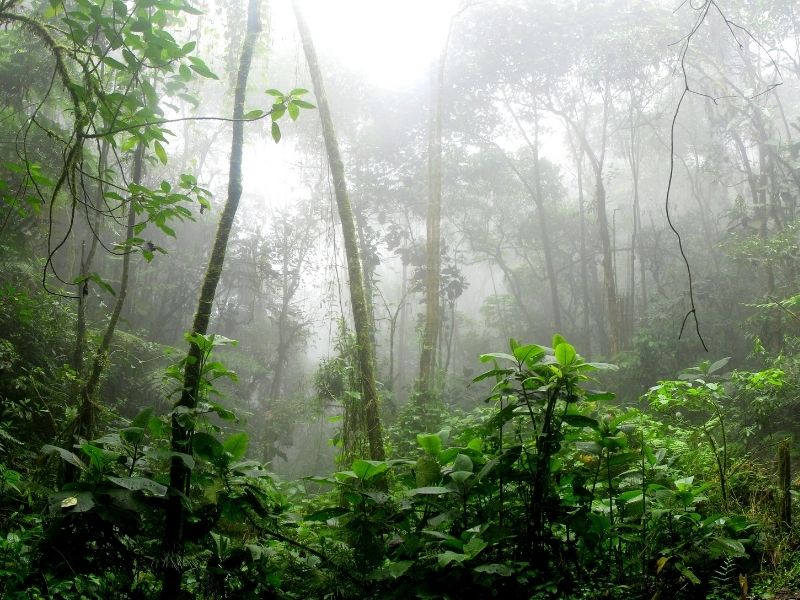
(624, 174)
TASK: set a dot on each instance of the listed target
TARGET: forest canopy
(458, 299)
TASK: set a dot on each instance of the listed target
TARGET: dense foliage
(187, 401)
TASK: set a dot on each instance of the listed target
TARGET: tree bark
(182, 436)
(433, 241)
(361, 318)
(84, 425)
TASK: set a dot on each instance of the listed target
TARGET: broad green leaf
(722, 546)
(160, 152)
(65, 455)
(430, 490)
(276, 132)
(495, 355)
(463, 463)
(475, 546)
(75, 502)
(207, 447)
(140, 484)
(718, 365)
(497, 373)
(581, 421)
(445, 558)
(529, 353)
(367, 469)
(565, 354)
(236, 445)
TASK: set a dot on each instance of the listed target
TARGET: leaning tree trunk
(179, 476)
(361, 317)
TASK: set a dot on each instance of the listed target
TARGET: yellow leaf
(661, 563)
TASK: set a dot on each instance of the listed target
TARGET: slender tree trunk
(86, 264)
(587, 301)
(84, 426)
(535, 192)
(433, 241)
(182, 436)
(361, 319)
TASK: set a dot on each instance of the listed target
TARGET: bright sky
(391, 41)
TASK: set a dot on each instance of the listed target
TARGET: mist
(378, 299)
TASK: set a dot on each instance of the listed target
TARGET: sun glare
(391, 42)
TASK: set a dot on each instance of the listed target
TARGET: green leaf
(722, 546)
(367, 469)
(445, 558)
(302, 104)
(495, 355)
(326, 514)
(298, 92)
(207, 447)
(65, 455)
(463, 463)
(102, 283)
(495, 569)
(475, 546)
(294, 112)
(497, 373)
(199, 67)
(236, 445)
(688, 573)
(430, 490)
(71, 501)
(254, 114)
(581, 421)
(160, 152)
(430, 442)
(140, 484)
(565, 354)
(274, 92)
(718, 365)
(276, 132)
(132, 435)
(528, 353)
(595, 396)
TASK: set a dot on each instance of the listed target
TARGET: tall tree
(358, 300)
(181, 434)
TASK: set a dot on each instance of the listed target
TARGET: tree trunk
(535, 192)
(784, 487)
(182, 436)
(433, 241)
(86, 263)
(84, 425)
(361, 319)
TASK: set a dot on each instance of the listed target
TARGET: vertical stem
(358, 301)
(181, 435)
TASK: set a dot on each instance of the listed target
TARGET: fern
(723, 583)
